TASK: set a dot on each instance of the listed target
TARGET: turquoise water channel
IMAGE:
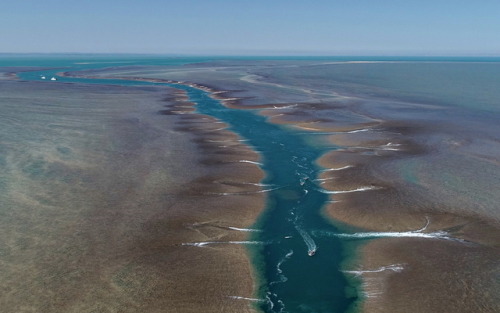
(294, 281)
(291, 280)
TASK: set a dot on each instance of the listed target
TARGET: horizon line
(269, 54)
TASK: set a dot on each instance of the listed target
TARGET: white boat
(311, 252)
(42, 77)
(53, 78)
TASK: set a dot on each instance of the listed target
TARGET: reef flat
(408, 158)
(406, 164)
(102, 187)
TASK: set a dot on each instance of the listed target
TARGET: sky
(260, 27)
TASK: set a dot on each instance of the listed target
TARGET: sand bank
(375, 186)
(402, 272)
(104, 201)
(215, 207)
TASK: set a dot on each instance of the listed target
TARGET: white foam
(251, 162)
(394, 267)
(282, 310)
(217, 129)
(286, 257)
(244, 229)
(196, 244)
(247, 299)
(358, 130)
(390, 146)
(324, 179)
(268, 300)
(425, 226)
(334, 192)
(419, 233)
(283, 107)
(407, 234)
(389, 149)
(282, 278)
(311, 245)
(205, 243)
(333, 201)
(338, 168)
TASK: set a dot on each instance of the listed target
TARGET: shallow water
(292, 281)
(82, 169)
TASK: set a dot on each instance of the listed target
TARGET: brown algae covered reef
(103, 187)
(410, 173)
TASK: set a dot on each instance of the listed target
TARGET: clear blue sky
(397, 27)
